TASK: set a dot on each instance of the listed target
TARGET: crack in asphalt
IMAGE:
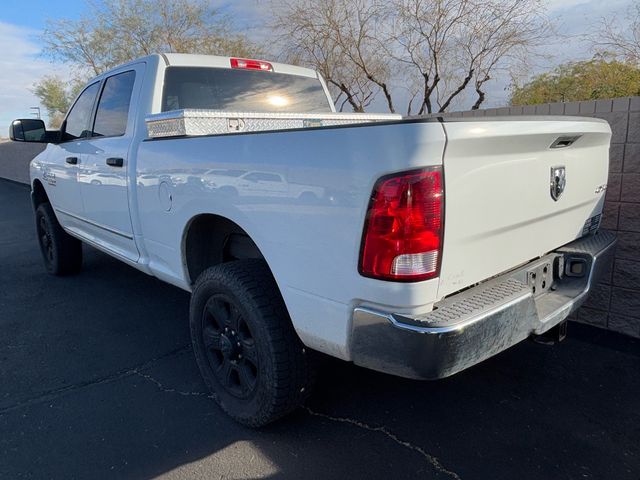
(59, 392)
(433, 461)
(166, 389)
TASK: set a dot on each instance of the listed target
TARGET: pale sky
(21, 62)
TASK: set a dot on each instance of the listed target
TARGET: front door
(60, 168)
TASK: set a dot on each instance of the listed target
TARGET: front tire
(62, 253)
(244, 343)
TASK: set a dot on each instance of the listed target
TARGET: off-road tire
(285, 370)
(62, 253)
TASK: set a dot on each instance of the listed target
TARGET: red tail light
(251, 64)
(403, 230)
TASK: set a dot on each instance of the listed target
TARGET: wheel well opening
(211, 240)
(39, 194)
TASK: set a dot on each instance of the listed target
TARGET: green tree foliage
(51, 91)
(576, 81)
(56, 96)
(115, 31)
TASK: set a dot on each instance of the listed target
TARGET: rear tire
(62, 253)
(246, 348)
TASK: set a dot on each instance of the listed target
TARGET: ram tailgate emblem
(558, 182)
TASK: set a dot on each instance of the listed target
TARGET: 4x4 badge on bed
(558, 182)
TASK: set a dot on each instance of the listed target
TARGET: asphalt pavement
(97, 380)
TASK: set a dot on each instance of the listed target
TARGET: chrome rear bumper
(480, 322)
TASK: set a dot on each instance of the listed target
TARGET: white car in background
(238, 182)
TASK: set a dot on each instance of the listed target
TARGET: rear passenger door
(104, 174)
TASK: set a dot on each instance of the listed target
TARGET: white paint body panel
(496, 199)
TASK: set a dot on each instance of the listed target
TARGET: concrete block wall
(15, 158)
(615, 303)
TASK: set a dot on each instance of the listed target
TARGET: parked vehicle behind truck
(430, 244)
(238, 182)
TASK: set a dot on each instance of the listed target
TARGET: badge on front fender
(49, 177)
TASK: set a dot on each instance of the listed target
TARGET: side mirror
(28, 130)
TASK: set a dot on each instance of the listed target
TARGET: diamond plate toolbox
(192, 122)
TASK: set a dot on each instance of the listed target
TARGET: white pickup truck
(430, 245)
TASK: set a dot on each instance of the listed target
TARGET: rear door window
(113, 107)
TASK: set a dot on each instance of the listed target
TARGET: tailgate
(500, 208)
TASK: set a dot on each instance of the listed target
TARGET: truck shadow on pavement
(98, 381)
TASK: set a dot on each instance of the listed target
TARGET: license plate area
(542, 276)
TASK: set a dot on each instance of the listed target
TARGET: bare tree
(437, 49)
(453, 44)
(503, 37)
(621, 39)
(340, 39)
(359, 31)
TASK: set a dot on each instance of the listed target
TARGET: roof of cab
(194, 60)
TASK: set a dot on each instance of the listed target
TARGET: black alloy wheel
(46, 242)
(231, 349)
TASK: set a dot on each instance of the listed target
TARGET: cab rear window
(241, 90)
